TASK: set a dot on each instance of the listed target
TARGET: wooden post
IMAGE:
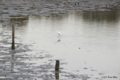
(57, 65)
(13, 34)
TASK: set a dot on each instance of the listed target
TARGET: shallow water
(88, 48)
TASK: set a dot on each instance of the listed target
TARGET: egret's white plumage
(59, 34)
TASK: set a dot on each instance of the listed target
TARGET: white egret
(59, 34)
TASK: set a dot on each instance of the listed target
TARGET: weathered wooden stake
(13, 34)
(57, 65)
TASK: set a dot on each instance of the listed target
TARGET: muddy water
(88, 48)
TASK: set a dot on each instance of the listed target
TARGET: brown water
(88, 48)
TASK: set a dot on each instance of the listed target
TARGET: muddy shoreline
(21, 9)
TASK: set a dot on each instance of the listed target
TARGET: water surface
(88, 47)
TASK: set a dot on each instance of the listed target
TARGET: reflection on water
(88, 47)
(57, 76)
(108, 16)
(12, 62)
(58, 40)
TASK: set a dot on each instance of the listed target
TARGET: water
(88, 48)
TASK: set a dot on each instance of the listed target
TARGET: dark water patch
(108, 16)
(85, 68)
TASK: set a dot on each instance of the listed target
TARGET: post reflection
(57, 75)
(12, 62)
